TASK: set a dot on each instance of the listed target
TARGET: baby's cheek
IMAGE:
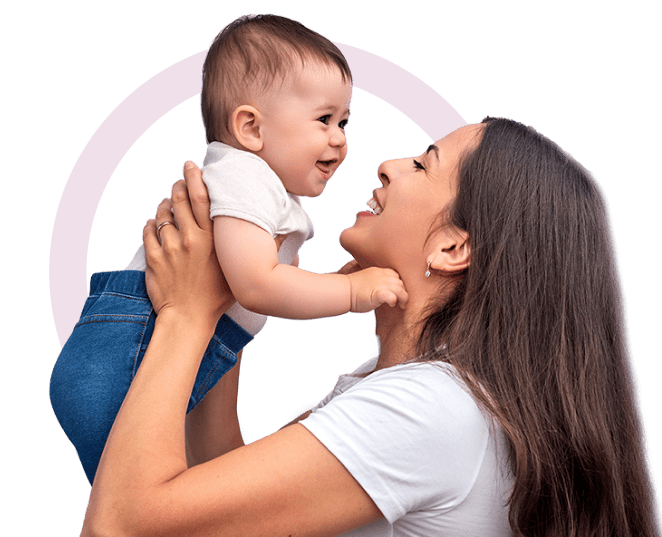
(343, 153)
(279, 165)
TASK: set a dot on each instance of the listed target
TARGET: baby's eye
(343, 124)
(418, 165)
(325, 119)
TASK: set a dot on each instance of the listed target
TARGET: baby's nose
(338, 138)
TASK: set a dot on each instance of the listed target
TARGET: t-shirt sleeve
(244, 187)
(411, 437)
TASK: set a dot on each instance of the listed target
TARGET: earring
(427, 272)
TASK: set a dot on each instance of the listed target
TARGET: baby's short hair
(250, 54)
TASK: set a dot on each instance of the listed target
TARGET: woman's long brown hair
(534, 327)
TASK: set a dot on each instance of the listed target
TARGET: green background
(583, 74)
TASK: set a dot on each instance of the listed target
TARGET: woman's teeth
(376, 209)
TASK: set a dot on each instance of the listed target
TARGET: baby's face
(304, 128)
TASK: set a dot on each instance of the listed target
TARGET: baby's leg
(95, 368)
(97, 364)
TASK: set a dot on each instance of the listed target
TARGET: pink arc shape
(122, 128)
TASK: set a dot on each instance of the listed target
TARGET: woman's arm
(212, 427)
(287, 483)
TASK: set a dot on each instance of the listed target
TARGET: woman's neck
(398, 330)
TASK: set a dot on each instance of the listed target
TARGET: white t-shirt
(415, 440)
(242, 185)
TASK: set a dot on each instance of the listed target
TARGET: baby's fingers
(397, 293)
(401, 295)
(394, 295)
(384, 296)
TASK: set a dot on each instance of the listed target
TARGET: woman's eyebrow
(433, 148)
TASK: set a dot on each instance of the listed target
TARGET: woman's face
(413, 193)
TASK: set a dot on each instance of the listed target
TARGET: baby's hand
(372, 287)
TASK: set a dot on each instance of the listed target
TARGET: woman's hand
(183, 275)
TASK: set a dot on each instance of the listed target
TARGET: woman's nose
(387, 171)
(382, 173)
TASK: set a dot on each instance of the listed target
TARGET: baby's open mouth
(326, 163)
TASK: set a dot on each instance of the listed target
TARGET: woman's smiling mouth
(375, 206)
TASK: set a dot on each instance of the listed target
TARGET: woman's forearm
(212, 427)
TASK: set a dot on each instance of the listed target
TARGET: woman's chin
(345, 239)
(349, 241)
(361, 247)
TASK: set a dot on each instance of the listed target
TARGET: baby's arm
(249, 258)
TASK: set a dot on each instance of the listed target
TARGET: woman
(500, 401)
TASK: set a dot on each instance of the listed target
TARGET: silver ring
(158, 229)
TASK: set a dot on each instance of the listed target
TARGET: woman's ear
(451, 252)
(246, 125)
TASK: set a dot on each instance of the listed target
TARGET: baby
(275, 103)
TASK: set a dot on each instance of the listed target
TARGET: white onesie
(242, 185)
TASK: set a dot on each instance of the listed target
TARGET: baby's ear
(246, 127)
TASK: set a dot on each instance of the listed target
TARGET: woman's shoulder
(430, 383)
(414, 420)
(432, 390)
(427, 400)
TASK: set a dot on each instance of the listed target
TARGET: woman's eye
(324, 119)
(418, 165)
